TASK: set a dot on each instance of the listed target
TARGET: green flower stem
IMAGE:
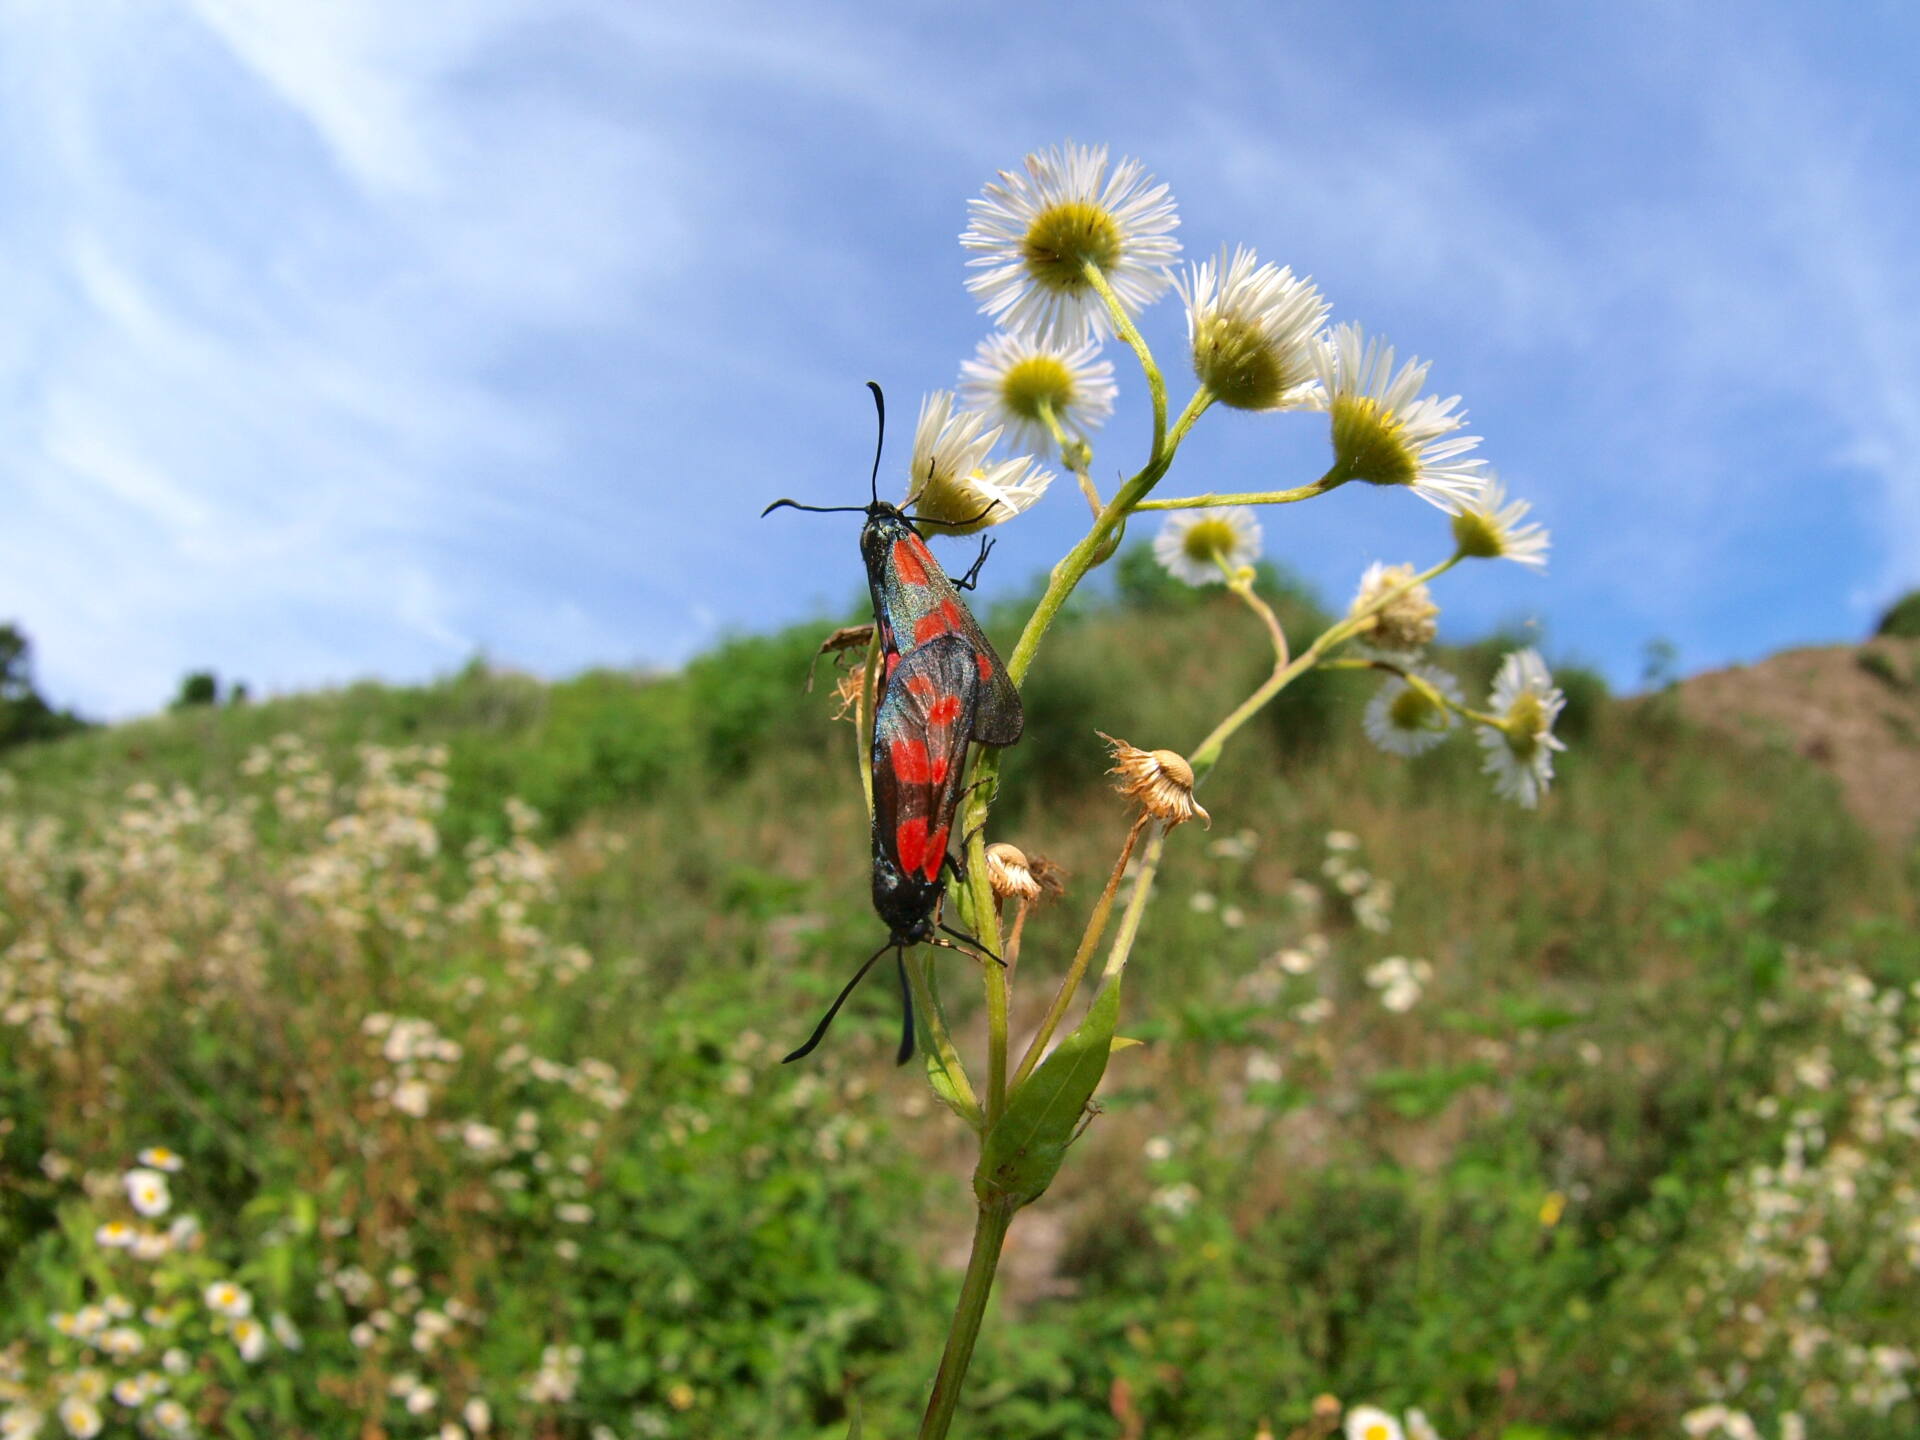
(1332, 480)
(1136, 904)
(992, 1230)
(1076, 455)
(1089, 940)
(1208, 755)
(1285, 672)
(989, 1235)
(1438, 697)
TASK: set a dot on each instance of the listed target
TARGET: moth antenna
(906, 1007)
(880, 439)
(820, 1030)
(814, 509)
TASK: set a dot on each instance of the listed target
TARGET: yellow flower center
(1412, 710)
(1063, 238)
(1526, 722)
(1234, 361)
(1038, 380)
(1367, 443)
(1207, 540)
(1377, 1431)
(1477, 537)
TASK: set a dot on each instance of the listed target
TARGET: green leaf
(1123, 1042)
(1024, 1149)
(853, 1430)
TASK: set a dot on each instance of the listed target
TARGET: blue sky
(345, 339)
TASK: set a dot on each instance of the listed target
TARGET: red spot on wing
(923, 686)
(893, 662)
(985, 662)
(938, 766)
(910, 560)
(910, 840)
(944, 711)
(933, 623)
(956, 619)
(936, 852)
(909, 757)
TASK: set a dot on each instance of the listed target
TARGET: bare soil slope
(1852, 709)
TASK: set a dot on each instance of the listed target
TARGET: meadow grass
(461, 1006)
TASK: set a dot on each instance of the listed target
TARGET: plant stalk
(989, 1235)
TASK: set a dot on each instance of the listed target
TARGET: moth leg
(972, 577)
(972, 940)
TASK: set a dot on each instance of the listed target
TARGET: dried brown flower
(1161, 780)
(1009, 873)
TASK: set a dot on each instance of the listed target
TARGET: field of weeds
(406, 1063)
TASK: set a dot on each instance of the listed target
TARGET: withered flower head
(1015, 876)
(1160, 780)
(1009, 873)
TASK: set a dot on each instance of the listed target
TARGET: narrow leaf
(1024, 1150)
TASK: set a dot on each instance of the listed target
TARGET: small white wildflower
(81, 1417)
(1035, 234)
(1370, 1422)
(413, 1097)
(159, 1157)
(1194, 544)
(286, 1332)
(1158, 1149)
(1176, 1200)
(115, 1235)
(1402, 719)
(1394, 616)
(952, 479)
(1384, 435)
(147, 1191)
(1252, 330)
(223, 1297)
(171, 1417)
(1519, 750)
(1489, 528)
(1012, 380)
(251, 1337)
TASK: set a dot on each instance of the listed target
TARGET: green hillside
(461, 1006)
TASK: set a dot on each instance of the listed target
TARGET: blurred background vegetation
(462, 1006)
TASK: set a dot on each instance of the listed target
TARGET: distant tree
(197, 687)
(24, 713)
(1902, 618)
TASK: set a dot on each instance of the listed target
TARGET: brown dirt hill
(1854, 710)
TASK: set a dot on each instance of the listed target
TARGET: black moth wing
(920, 733)
(914, 602)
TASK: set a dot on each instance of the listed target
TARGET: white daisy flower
(1488, 528)
(80, 1416)
(1254, 331)
(1011, 377)
(1520, 748)
(147, 1191)
(20, 1422)
(115, 1235)
(122, 1342)
(1036, 232)
(1193, 543)
(223, 1297)
(1404, 625)
(952, 480)
(184, 1232)
(1404, 720)
(152, 1245)
(286, 1332)
(171, 1417)
(413, 1097)
(251, 1336)
(478, 1414)
(1384, 435)
(159, 1157)
(1370, 1422)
